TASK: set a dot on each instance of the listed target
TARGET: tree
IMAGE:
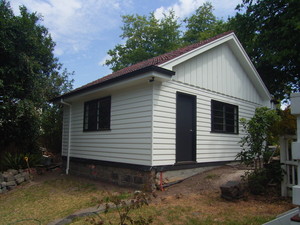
(203, 25)
(270, 32)
(287, 125)
(30, 75)
(145, 37)
(257, 136)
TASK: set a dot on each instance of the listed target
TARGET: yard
(194, 201)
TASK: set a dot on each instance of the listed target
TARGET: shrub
(260, 179)
(257, 181)
(287, 125)
(17, 160)
(257, 134)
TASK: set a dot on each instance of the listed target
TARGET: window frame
(225, 111)
(86, 117)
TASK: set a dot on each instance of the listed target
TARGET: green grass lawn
(201, 209)
(43, 202)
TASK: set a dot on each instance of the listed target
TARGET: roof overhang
(238, 51)
(146, 74)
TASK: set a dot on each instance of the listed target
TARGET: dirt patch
(210, 180)
(197, 200)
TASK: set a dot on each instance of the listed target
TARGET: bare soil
(198, 198)
(210, 180)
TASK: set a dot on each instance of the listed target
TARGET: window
(97, 114)
(224, 117)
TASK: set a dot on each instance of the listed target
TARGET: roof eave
(114, 80)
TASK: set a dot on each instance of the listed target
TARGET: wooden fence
(289, 165)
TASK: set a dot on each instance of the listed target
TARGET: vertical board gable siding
(210, 147)
(128, 141)
(218, 70)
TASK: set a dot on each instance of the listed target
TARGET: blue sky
(84, 30)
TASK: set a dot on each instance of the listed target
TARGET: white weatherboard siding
(218, 70)
(164, 125)
(128, 141)
(65, 128)
(215, 74)
(210, 147)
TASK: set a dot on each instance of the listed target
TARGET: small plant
(17, 160)
(124, 208)
(259, 180)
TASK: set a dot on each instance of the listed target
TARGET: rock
(12, 171)
(11, 183)
(26, 176)
(11, 178)
(9, 188)
(3, 184)
(18, 176)
(8, 177)
(232, 190)
(4, 190)
(20, 180)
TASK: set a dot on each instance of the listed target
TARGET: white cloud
(74, 24)
(103, 60)
(224, 8)
(182, 8)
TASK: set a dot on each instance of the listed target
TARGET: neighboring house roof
(152, 64)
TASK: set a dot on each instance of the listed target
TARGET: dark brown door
(185, 128)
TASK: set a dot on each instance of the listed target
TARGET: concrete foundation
(127, 177)
(140, 177)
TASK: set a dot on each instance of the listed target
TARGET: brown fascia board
(132, 74)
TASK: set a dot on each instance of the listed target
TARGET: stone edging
(11, 178)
